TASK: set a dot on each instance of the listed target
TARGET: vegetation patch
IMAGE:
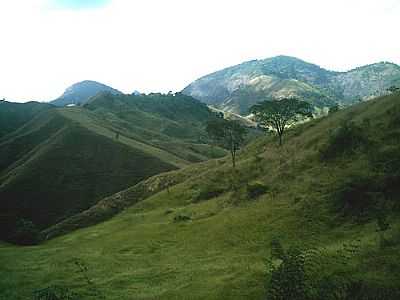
(255, 190)
(345, 140)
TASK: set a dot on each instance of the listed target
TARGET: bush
(256, 190)
(182, 218)
(208, 191)
(345, 140)
(358, 195)
(288, 279)
(386, 162)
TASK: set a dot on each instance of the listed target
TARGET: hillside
(14, 115)
(79, 93)
(65, 160)
(208, 236)
(239, 87)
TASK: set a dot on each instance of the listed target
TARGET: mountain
(206, 232)
(14, 115)
(65, 160)
(79, 93)
(237, 88)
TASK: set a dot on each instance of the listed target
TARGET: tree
(280, 114)
(393, 89)
(228, 134)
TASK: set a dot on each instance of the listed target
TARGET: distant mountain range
(237, 88)
(79, 93)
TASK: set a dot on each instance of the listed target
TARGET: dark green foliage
(345, 140)
(26, 233)
(358, 194)
(277, 251)
(312, 274)
(256, 189)
(55, 293)
(281, 113)
(182, 218)
(208, 191)
(288, 279)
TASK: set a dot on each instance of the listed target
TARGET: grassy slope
(172, 122)
(58, 166)
(219, 254)
(73, 154)
(14, 115)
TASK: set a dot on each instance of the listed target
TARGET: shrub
(209, 191)
(255, 190)
(345, 140)
(386, 162)
(358, 194)
(182, 218)
(288, 279)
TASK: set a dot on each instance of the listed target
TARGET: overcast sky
(162, 45)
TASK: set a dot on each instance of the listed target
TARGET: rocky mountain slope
(79, 93)
(237, 88)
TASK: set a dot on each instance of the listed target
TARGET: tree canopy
(280, 114)
(228, 134)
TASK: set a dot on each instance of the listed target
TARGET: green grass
(65, 160)
(15, 115)
(220, 252)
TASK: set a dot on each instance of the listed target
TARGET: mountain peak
(81, 92)
(237, 88)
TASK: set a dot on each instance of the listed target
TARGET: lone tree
(280, 114)
(228, 134)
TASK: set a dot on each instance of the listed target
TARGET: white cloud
(157, 45)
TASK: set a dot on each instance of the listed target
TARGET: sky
(163, 45)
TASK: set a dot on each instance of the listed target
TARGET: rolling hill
(237, 88)
(14, 115)
(79, 93)
(210, 234)
(65, 160)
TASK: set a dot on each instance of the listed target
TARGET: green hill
(208, 236)
(65, 160)
(14, 115)
(237, 88)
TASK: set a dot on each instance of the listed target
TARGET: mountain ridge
(238, 87)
